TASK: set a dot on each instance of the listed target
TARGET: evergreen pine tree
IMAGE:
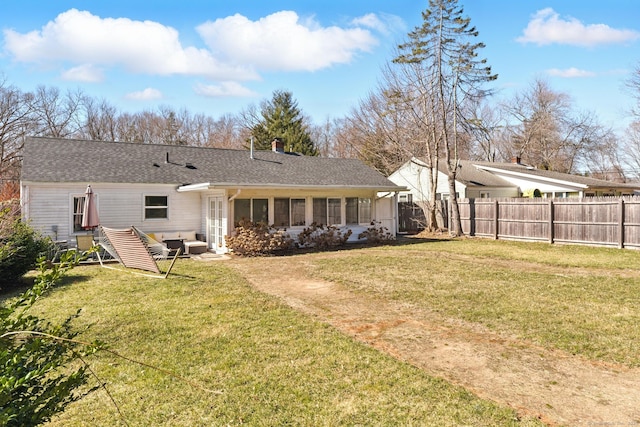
(281, 118)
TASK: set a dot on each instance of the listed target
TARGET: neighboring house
(172, 188)
(495, 180)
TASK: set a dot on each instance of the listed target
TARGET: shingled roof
(559, 176)
(72, 160)
(470, 175)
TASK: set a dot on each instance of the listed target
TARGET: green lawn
(264, 363)
(580, 299)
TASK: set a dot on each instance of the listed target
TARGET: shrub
(321, 237)
(376, 234)
(20, 247)
(252, 239)
(38, 378)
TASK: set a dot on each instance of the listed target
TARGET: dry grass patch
(580, 299)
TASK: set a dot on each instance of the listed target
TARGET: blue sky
(216, 57)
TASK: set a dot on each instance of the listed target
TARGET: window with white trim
(156, 207)
(327, 211)
(289, 212)
(254, 210)
(358, 210)
(77, 213)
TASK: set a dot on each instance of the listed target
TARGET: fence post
(495, 220)
(472, 217)
(621, 223)
(551, 221)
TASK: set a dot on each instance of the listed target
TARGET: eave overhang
(205, 186)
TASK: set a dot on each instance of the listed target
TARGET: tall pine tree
(281, 118)
(444, 46)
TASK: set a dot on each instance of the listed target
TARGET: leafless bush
(253, 239)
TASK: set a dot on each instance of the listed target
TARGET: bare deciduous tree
(631, 150)
(100, 120)
(549, 134)
(57, 115)
(15, 123)
(443, 46)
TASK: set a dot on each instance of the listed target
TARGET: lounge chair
(136, 250)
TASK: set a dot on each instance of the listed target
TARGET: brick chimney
(277, 145)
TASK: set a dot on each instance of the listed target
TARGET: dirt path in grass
(556, 387)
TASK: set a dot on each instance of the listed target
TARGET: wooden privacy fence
(604, 221)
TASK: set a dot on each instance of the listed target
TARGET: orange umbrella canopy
(90, 217)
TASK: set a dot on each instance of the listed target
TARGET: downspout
(238, 191)
(395, 213)
(24, 201)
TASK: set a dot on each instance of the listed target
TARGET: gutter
(225, 185)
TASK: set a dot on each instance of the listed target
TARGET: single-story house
(477, 179)
(164, 188)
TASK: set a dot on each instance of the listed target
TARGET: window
(298, 216)
(334, 211)
(241, 211)
(405, 198)
(352, 210)
(358, 211)
(320, 211)
(156, 207)
(281, 212)
(327, 211)
(288, 212)
(254, 210)
(77, 213)
(364, 211)
(78, 208)
(484, 195)
(260, 210)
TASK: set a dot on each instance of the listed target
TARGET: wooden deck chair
(135, 250)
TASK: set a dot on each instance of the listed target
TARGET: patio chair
(84, 243)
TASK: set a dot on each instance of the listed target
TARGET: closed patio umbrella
(90, 218)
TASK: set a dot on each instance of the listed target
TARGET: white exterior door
(216, 224)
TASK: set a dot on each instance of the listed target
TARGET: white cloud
(147, 94)
(546, 27)
(78, 37)
(281, 41)
(384, 23)
(570, 72)
(84, 73)
(228, 88)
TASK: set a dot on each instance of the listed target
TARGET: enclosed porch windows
(254, 210)
(289, 212)
(327, 211)
(284, 212)
(358, 210)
